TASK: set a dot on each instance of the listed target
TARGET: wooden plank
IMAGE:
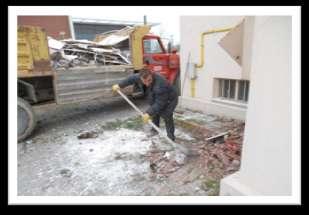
(218, 136)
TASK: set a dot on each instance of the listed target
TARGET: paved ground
(120, 159)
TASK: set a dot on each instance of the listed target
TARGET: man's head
(146, 77)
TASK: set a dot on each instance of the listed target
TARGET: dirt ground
(103, 148)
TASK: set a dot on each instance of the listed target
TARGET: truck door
(155, 55)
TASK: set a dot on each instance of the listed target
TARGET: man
(162, 97)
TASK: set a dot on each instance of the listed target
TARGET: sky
(168, 16)
(168, 28)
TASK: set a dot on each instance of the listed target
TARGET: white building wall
(247, 47)
(266, 155)
(218, 63)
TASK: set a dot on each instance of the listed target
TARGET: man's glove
(115, 87)
(146, 118)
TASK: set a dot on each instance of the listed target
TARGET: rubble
(180, 158)
(217, 158)
(219, 138)
(71, 53)
(114, 37)
(66, 173)
(87, 134)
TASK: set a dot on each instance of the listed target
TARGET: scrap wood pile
(71, 53)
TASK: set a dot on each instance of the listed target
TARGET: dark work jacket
(162, 96)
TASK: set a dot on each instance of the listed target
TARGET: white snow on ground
(107, 165)
(190, 115)
(119, 141)
(55, 162)
(114, 157)
(114, 163)
(182, 135)
(178, 132)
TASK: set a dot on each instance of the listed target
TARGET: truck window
(152, 46)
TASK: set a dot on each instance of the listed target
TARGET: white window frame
(220, 95)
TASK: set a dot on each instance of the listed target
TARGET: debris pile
(219, 160)
(114, 37)
(221, 157)
(218, 141)
(71, 53)
(164, 163)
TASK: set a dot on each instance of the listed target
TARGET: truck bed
(85, 83)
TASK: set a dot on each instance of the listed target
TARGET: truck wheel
(26, 119)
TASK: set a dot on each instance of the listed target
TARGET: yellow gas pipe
(201, 64)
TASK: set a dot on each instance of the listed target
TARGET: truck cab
(158, 59)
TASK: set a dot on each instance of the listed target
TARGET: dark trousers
(167, 115)
(169, 124)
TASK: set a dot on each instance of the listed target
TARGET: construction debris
(114, 37)
(87, 134)
(70, 53)
(218, 138)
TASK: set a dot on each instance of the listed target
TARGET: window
(227, 88)
(152, 46)
(243, 90)
(234, 89)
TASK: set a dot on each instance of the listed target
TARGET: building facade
(220, 84)
(246, 75)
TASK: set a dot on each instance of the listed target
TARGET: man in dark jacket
(162, 97)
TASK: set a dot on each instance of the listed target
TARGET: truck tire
(26, 119)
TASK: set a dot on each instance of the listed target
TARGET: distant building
(63, 27)
(88, 28)
(58, 27)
